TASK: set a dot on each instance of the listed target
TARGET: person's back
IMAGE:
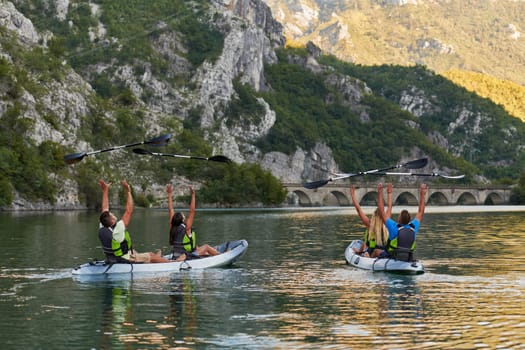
(376, 233)
(177, 233)
(182, 238)
(180, 241)
(403, 246)
(113, 233)
(115, 240)
(402, 234)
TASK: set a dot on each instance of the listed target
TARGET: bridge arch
(336, 198)
(437, 198)
(405, 198)
(369, 199)
(494, 199)
(467, 198)
(299, 198)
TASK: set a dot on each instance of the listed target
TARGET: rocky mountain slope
(82, 75)
(464, 36)
(480, 36)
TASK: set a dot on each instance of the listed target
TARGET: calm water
(292, 289)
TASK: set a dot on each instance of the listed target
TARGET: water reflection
(182, 311)
(123, 313)
(291, 290)
(116, 314)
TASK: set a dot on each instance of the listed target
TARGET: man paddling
(113, 233)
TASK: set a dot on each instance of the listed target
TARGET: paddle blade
(315, 184)
(219, 158)
(454, 177)
(416, 164)
(74, 157)
(141, 151)
(161, 140)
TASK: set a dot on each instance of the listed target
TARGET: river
(292, 289)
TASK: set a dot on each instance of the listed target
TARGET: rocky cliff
(251, 36)
(54, 98)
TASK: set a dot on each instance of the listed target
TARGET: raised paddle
(413, 164)
(157, 141)
(218, 158)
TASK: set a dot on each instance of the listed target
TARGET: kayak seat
(120, 260)
(403, 254)
(189, 256)
(192, 256)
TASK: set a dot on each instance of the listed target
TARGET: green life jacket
(117, 247)
(111, 247)
(370, 243)
(189, 243)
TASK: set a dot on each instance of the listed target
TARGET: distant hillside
(83, 76)
(474, 36)
(506, 93)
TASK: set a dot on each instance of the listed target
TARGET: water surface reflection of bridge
(339, 195)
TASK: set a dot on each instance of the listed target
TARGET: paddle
(453, 177)
(218, 158)
(157, 141)
(413, 164)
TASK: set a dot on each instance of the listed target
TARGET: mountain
(80, 76)
(483, 37)
(503, 92)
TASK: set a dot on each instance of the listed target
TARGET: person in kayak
(113, 233)
(376, 233)
(182, 237)
(402, 234)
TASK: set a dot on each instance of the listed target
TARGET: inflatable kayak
(380, 264)
(230, 253)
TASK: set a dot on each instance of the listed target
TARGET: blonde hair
(378, 229)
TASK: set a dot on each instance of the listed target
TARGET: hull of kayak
(380, 264)
(231, 252)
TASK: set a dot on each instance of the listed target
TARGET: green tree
(518, 193)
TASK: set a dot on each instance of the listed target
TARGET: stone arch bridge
(339, 195)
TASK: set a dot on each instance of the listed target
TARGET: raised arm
(169, 191)
(389, 200)
(105, 190)
(362, 215)
(129, 204)
(422, 196)
(380, 202)
(191, 215)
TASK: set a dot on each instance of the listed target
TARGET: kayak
(380, 264)
(230, 252)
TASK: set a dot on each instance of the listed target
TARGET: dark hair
(105, 218)
(177, 219)
(404, 217)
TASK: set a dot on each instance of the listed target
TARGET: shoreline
(456, 209)
(347, 209)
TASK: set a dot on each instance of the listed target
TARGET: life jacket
(402, 247)
(371, 242)
(180, 241)
(113, 249)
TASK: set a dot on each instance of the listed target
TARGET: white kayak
(380, 264)
(230, 253)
